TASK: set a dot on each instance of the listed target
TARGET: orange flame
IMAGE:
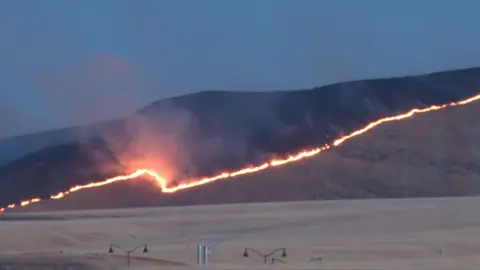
(186, 184)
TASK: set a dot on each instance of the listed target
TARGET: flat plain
(433, 233)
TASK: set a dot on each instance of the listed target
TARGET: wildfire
(186, 184)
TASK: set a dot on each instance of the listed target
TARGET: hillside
(207, 132)
(432, 154)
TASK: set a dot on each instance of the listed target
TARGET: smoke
(169, 140)
(208, 133)
(101, 87)
(50, 80)
(286, 45)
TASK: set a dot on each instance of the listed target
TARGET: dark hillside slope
(210, 131)
(433, 154)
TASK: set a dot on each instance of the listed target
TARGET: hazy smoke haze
(70, 63)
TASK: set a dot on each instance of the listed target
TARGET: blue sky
(72, 62)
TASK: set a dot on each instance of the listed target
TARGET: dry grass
(432, 154)
(360, 234)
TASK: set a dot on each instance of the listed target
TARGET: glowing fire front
(186, 184)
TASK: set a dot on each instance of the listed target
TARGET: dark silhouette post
(265, 256)
(128, 251)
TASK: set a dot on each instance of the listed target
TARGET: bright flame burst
(163, 183)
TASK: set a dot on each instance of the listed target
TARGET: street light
(128, 252)
(265, 256)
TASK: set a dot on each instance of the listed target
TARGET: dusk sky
(65, 63)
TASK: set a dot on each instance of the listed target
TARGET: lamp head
(245, 253)
(110, 250)
(284, 253)
(145, 249)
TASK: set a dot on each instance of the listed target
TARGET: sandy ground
(355, 234)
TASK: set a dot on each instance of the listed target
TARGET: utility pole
(128, 251)
(265, 255)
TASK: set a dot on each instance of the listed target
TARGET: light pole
(265, 256)
(128, 251)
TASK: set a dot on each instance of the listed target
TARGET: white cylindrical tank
(200, 254)
(206, 252)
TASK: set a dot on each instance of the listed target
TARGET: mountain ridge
(11, 147)
(206, 132)
(428, 155)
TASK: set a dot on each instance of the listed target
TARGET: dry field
(355, 234)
